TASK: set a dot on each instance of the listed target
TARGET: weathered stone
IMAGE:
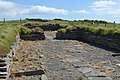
(72, 60)
(44, 77)
(116, 74)
(108, 68)
(79, 64)
(42, 66)
(85, 69)
(41, 56)
(93, 73)
(100, 78)
(118, 65)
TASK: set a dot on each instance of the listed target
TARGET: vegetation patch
(9, 29)
(7, 37)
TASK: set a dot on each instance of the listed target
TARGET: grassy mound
(27, 31)
(7, 37)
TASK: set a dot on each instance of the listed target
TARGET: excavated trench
(52, 59)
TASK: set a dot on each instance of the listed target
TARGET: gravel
(68, 59)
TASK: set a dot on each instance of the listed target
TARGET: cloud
(12, 9)
(106, 7)
(37, 10)
(80, 11)
(7, 8)
(103, 4)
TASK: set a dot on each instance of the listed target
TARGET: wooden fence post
(105, 24)
(20, 21)
(4, 21)
(114, 24)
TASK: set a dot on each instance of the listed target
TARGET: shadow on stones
(93, 44)
(29, 73)
(101, 46)
(33, 37)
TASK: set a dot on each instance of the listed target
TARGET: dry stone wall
(34, 36)
(6, 60)
(112, 41)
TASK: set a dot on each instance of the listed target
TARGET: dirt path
(64, 60)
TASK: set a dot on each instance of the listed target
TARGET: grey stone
(108, 67)
(118, 65)
(85, 69)
(44, 77)
(71, 60)
(100, 78)
(79, 64)
(116, 74)
(42, 66)
(93, 73)
(41, 56)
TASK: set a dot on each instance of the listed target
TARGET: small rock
(118, 65)
(72, 60)
(41, 56)
(43, 77)
(79, 64)
(42, 66)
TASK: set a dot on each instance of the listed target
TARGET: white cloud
(106, 7)
(37, 10)
(103, 4)
(80, 11)
(7, 8)
(12, 9)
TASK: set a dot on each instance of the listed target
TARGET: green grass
(7, 37)
(10, 29)
(80, 78)
(27, 31)
(101, 28)
(8, 32)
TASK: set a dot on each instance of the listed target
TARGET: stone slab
(85, 69)
(100, 78)
(93, 73)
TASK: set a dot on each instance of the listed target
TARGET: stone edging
(6, 60)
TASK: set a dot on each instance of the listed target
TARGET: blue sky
(66, 9)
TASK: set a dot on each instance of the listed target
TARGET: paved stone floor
(65, 60)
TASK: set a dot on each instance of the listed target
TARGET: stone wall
(50, 27)
(112, 41)
(75, 35)
(6, 60)
(34, 36)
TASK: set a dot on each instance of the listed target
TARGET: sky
(108, 10)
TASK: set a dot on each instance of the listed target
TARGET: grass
(101, 29)
(10, 29)
(8, 32)
(7, 37)
(80, 78)
(27, 31)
